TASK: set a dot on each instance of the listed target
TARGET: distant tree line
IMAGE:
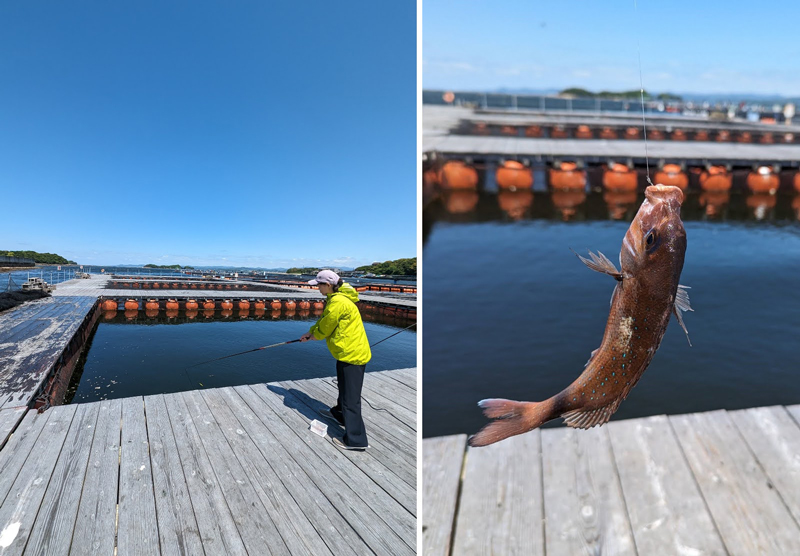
(43, 258)
(630, 95)
(169, 266)
(399, 267)
(303, 270)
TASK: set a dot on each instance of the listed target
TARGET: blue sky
(248, 133)
(690, 47)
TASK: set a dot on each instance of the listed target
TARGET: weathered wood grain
(18, 511)
(177, 528)
(137, 531)
(500, 510)
(749, 513)
(253, 520)
(19, 447)
(585, 511)
(380, 520)
(442, 460)
(95, 524)
(214, 519)
(9, 419)
(55, 522)
(665, 507)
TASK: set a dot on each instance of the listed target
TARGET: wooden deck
(722, 482)
(217, 471)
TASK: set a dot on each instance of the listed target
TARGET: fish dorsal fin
(600, 263)
(586, 419)
(591, 357)
(682, 304)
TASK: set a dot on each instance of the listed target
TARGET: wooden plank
(258, 532)
(18, 512)
(290, 520)
(383, 523)
(500, 510)
(585, 511)
(214, 520)
(665, 507)
(95, 525)
(177, 528)
(794, 411)
(389, 473)
(328, 522)
(750, 515)
(18, 448)
(52, 530)
(442, 459)
(774, 438)
(392, 389)
(383, 435)
(404, 376)
(9, 419)
(382, 393)
(137, 530)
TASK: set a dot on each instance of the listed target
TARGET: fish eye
(650, 239)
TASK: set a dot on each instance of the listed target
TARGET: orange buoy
(146, 285)
(745, 137)
(131, 305)
(508, 130)
(136, 284)
(457, 175)
(319, 305)
(191, 304)
(567, 201)
(209, 304)
(701, 135)
(461, 202)
(632, 133)
(583, 132)
(567, 177)
(533, 131)
(558, 132)
(156, 285)
(304, 305)
(514, 175)
(110, 305)
(226, 304)
(275, 305)
(480, 128)
(620, 178)
(151, 304)
(671, 174)
(716, 178)
(678, 135)
(619, 203)
(290, 305)
(767, 138)
(244, 304)
(172, 305)
(513, 203)
(260, 304)
(656, 135)
(608, 133)
(796, 182)
(764, 180)
(723, 135)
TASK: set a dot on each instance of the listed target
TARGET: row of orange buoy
(584, 131)
(186, 285)
(210, 304)
(513, 175)
(393, 311)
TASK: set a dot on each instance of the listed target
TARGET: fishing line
(641, 93)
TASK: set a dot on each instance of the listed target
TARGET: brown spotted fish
(647, 293)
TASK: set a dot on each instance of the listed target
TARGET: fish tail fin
(510, 418)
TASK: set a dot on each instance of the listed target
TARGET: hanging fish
(647, 293)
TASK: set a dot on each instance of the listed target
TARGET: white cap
(325, 277)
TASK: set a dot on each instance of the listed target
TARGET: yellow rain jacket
(341, 326)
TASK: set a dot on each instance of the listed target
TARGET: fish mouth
(670, 195)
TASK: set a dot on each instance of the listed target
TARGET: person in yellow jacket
(342, 328)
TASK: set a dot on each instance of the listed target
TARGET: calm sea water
(141, 359)
(510, 312)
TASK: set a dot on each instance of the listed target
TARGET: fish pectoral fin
(682, 304)
(586, 419)
(600, 263)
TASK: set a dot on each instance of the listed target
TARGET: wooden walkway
(217, 471)
(722, 482)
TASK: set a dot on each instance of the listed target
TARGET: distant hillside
(399, 267)
(43, 258)
(171, 266)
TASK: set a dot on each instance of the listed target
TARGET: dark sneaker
(342, 446)
(329, 414)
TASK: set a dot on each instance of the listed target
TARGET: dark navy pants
(349, 379)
